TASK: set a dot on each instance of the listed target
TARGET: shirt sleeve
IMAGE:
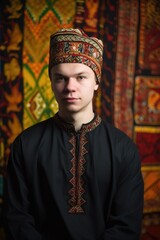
(127, 206)
(19, 222)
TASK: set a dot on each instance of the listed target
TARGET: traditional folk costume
(69, 185)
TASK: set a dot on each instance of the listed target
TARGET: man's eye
(59, 79)
(81, 77)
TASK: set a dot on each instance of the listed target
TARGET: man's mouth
(70, 99)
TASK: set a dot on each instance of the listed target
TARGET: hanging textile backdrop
(129, 96)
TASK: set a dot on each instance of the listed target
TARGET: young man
(74, 176)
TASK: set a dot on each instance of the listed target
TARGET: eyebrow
(63, 75)
(58, 74)
(81, 73)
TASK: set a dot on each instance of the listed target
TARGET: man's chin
(72, 110)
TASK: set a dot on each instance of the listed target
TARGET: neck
(77, 119)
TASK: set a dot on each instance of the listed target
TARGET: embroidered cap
(74, 46)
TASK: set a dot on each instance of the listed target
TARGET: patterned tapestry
(129, 96)
(41, 19)
(11, 83)
(146, 112)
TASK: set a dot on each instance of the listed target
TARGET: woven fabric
(147, 100)
(149, 44)
(125, 65)
(146, 112)
(41, 20)
(73, 45)
(11, 84)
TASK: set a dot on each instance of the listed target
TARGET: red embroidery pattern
(78, 150)
(78, 161)
(76, 192)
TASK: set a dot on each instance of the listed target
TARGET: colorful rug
(41, 19)
(11, 83)
(125, 65)
(146, 109)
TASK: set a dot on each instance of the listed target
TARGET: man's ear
(96, 86)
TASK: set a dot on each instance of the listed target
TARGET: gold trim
(150, 168)
(147, 129)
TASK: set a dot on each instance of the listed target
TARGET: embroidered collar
(68, 127)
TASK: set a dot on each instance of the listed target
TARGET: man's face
(73, 85)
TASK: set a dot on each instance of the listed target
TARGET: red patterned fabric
(149, 147)
(73, 45)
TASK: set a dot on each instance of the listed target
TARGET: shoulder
(115, 134)
(35, 133)
(39, 126)
(120, 142)
(125, 153)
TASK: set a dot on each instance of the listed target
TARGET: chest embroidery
(77, 170)
(78, 150)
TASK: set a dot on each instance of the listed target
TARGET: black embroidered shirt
(84, 185)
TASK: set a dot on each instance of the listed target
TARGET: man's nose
(71, 84)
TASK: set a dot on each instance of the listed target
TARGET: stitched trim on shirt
(77, 170)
